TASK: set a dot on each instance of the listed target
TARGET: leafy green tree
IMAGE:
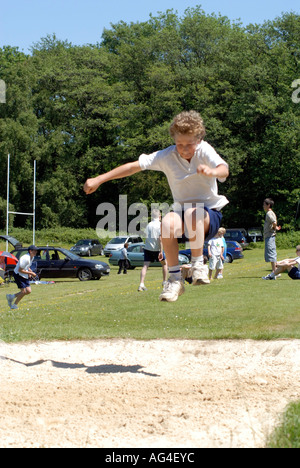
(80, 111)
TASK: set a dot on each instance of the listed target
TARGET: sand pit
(156, 394)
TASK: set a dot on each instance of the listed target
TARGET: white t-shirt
(298, 261)
(153, 230)
(216, 245)
(24, 263)
(187, 186)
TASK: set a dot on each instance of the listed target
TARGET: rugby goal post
(18, 212)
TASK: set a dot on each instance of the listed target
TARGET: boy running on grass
(22, 274)
(192, 168)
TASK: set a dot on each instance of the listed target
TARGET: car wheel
(228, 258)
(85, 274)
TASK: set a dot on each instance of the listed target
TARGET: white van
(117, 243)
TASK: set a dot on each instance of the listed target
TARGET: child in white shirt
(192, 168)
(215, 254)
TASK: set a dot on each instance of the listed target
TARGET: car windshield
(136, 248)
(83, 242)
(70, 254)
(118, 240)
(232, 234)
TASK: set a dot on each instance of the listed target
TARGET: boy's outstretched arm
(91, 185)
(220, 172)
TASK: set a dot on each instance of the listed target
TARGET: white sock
(175, 273)
(197, 259)
(272, 274)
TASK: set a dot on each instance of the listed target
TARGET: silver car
(117, 243)
(87, 248)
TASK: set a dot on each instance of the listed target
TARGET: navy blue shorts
(294, 273)
(22, 283)
(151, 256)
(214, 225)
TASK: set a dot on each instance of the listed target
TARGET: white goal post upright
(17, 212)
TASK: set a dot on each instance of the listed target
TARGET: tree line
(82, 110)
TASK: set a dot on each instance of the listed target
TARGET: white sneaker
(269, 277)
(10, 299)
(142, 288)
(200, 274)
(172, 290)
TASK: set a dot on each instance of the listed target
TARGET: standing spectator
(222, 232)
(153, 251)
(270, 229)
(123, 262)
(215, 253)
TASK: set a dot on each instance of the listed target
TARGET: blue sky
(25, 22)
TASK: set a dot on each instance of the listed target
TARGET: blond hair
(222, 231)
(188, 123)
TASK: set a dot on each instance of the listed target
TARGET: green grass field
(287, 434)
(241, 306)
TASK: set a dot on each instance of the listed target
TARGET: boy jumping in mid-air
(192, 168)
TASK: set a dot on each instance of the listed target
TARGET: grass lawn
(241, 306)
(287, 434)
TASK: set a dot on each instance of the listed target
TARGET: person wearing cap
(22, 274)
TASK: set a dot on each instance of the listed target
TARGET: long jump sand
(157, 394)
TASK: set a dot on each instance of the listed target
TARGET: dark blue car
(234, 251)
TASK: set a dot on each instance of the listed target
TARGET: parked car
(87, 248)
(117, 243)
(14, 242)
(237, 235)
(255, 235)
(136, 257)
(234, 251)
(54, 262)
